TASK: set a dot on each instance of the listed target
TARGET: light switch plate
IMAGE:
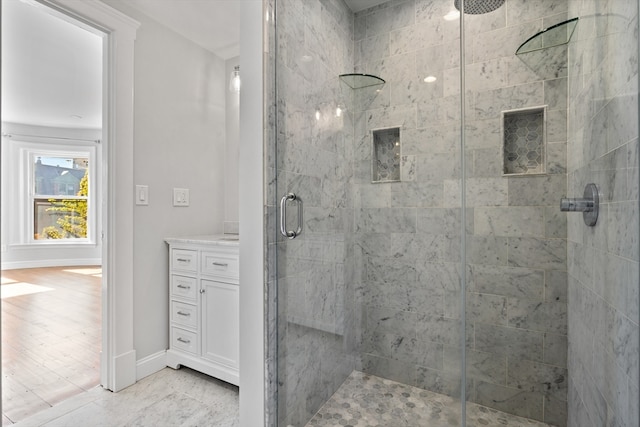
(180, 197)
(142, 194)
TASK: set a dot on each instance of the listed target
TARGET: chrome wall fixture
(283, 216)
(588, 204)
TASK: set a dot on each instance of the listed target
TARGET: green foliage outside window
(73, 220)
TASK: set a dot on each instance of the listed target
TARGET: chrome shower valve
(588, 204)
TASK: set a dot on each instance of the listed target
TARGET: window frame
(29, 152)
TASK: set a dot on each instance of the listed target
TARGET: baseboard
(151, 364)
(125, 370)
(13, 265)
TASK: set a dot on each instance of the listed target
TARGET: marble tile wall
(310, 283)
(408, 233)
(603, 260)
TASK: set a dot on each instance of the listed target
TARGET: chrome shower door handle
(283, 216)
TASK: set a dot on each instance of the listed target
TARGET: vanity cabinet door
(220, 322)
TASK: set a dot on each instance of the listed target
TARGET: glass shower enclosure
(421, 270)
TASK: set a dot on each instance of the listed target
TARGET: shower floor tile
(365, 401)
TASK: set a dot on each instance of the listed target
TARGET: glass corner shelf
(556, 35)
(358, 81)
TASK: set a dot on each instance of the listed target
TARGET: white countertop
(213, 239)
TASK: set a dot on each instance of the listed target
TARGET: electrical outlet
(180, 197)
(142, 194)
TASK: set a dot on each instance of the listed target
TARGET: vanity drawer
(184, 314)
(184, 340)
(184, 260)
(220, 264)
(183, 286)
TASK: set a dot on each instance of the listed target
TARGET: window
(59, 191)
(60, 197)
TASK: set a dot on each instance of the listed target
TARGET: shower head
(478, 7)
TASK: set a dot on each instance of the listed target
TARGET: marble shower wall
(407, 233)
(313, 155)
(603, 260)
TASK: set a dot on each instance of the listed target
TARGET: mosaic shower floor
(365, 401)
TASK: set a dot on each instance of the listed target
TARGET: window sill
(50, 244)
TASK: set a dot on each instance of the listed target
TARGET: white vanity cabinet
(204, 305)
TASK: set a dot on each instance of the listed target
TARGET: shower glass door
(367, 301)
(316, 319)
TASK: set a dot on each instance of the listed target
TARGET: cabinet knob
(202, 291)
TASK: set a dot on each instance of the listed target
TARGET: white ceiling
(51, 70)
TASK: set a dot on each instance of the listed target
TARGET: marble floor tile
(167, 398)
(366, 401)
(189, 398)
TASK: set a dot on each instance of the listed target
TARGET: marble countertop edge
(211, 239)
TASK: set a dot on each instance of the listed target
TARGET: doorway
(52, 181)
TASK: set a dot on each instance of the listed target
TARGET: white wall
(16, 253)
(251, 214)
(232, 173)
(178, 142)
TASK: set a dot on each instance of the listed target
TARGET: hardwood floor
(51, 338)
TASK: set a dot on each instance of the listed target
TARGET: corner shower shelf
(556, 35)
(358, 81)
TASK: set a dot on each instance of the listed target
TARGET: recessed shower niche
(523, 135)
(385, 159)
